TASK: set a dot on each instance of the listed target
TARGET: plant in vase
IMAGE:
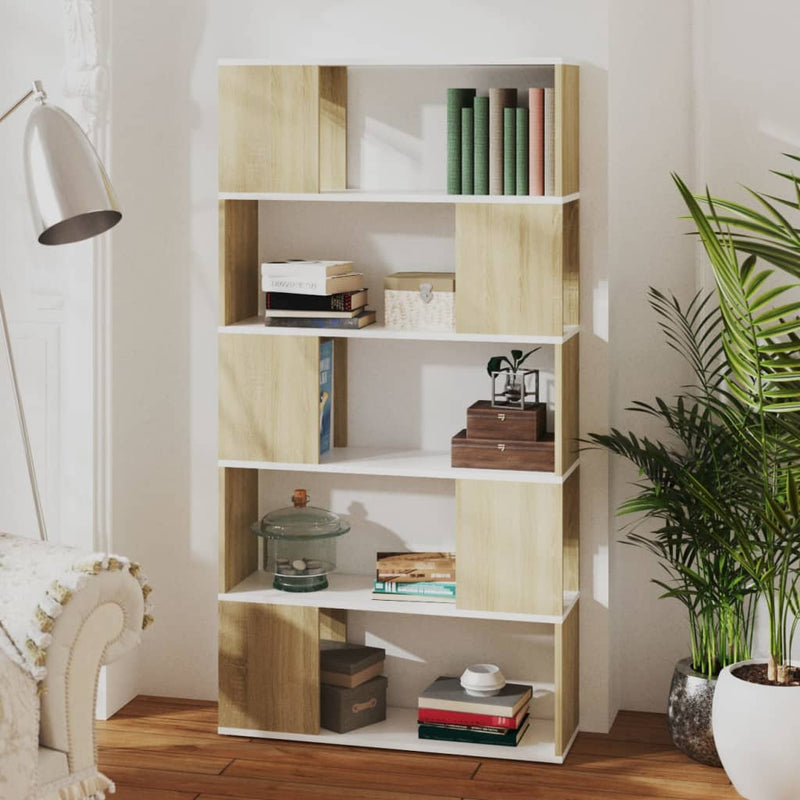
(757, 704)
(516, 386)
(687, 536)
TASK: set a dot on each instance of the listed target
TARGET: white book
(303, 284)
(307, 269)
(549, 142)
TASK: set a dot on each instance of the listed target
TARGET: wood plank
(138, 793)
(340, 392)
(332, 129)
(269, 128)
(508, 540)
(333, 624)
(509, 269)
(269, 667)
(681, 769)
(571, 539)
(238, 508)
(567, 128)
(567, 421)
(269, 398)
(238, 260)
(567, 679)
(202, 764)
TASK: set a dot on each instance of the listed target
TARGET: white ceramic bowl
(482, 680)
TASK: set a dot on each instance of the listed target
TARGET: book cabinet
(288, 161)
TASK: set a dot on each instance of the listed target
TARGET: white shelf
(354, 593)
(255, 326)
(372, 62)
(358, 196)
(399, 732)
(400, 464)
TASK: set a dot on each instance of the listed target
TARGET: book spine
(434, 717)
(458, 735)
(467, 151)
(509, 151)
(481, 141)
(522, 150)
(498, 100)
(282, 301)
(438, 589)
(536, 141)
(456, 100)
(284, 283)
(549, 142)
(313, 322)
(418, 576)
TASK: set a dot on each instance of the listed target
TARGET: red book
(437, 717)
(536, 142)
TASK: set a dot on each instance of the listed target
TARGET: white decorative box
(417, 301)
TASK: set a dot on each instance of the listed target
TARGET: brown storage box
(495, 454)
(506, 424)
(344, 710)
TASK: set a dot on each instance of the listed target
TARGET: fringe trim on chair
(92, 787)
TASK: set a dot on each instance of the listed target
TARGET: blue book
(325, 394)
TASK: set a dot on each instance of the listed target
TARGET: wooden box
(344, 710)
(506, 424)
(496, 454)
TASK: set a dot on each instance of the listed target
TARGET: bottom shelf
(399, 732)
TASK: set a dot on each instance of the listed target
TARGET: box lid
(484, 408)
(412, 281)
(346, 658)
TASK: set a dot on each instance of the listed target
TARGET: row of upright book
(497, 146)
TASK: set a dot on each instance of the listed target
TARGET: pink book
(536, 141)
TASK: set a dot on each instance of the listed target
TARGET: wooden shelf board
(255, 326)
(400, 464)
(399, 732)
(354, 593)
(359, 196)
(371, 62)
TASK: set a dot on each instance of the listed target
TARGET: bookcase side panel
(571, 516)
(333, 624)
(269, 667)
(238, 260)
(508, 269)
(570, 260)
(269, 128)
(238, 508)
(567, 129)
(269, 398)
(332, 129)
(567, 680)
(567, 380)
(508, 547)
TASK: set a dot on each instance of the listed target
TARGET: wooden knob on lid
(300, 498)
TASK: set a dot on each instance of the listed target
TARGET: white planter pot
(757, 733)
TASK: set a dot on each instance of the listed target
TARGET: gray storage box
(344, 710)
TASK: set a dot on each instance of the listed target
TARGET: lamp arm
(37, 91)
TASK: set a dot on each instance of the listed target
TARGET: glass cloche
(301, 544)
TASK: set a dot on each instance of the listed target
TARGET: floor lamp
(71, 199)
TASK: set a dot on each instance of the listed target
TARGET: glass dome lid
(300, 521)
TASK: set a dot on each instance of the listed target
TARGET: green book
(481, 140)
(463, 733)
(467, 152)
(509, 151)
(456, 100)
(522, 150)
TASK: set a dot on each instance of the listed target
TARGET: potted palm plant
(684, 534)
(757, 703)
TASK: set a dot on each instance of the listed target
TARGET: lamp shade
(70, 194)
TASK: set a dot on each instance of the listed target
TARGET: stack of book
(448, 713)
(416, 576)
(495, 146)
(314, 294)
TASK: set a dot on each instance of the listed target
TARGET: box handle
(426, 292)
(359, 707)
(501, 448)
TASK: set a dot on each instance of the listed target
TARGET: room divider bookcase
(284, 139)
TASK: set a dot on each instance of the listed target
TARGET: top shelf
(358, 196)
(367, 62)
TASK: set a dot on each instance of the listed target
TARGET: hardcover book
(456, 734)
(467, 151)
(434, 716)
(549, 141)
(366, 317)
(419, 588)
(456, 100)
(325, 394)
(536, 141)
(412, 598)
(308, 269)
(321, 285)
(509, 151)
(499, 99)
(300, 313)
(481, 144)
(447, 694)
(341, 301)
(521, 140)
(414, 567)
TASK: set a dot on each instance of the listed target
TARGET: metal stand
(23, 426)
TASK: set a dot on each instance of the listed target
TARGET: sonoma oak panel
(238, 509)
(332, 129)
(567, 129)
(567, 693)
(340, 389)
(508, 543)
(269, 398)
(269, 667)
(269, 128)
(570, 263)
(571, 518)
(567, 378)
(238, 260)
(333, 624)
(509, 269)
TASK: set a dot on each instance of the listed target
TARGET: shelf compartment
(399, 732)
(399, 464)
(354, 593)
(374, 196)
(254, 326)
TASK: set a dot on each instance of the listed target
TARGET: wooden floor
(165, 749)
